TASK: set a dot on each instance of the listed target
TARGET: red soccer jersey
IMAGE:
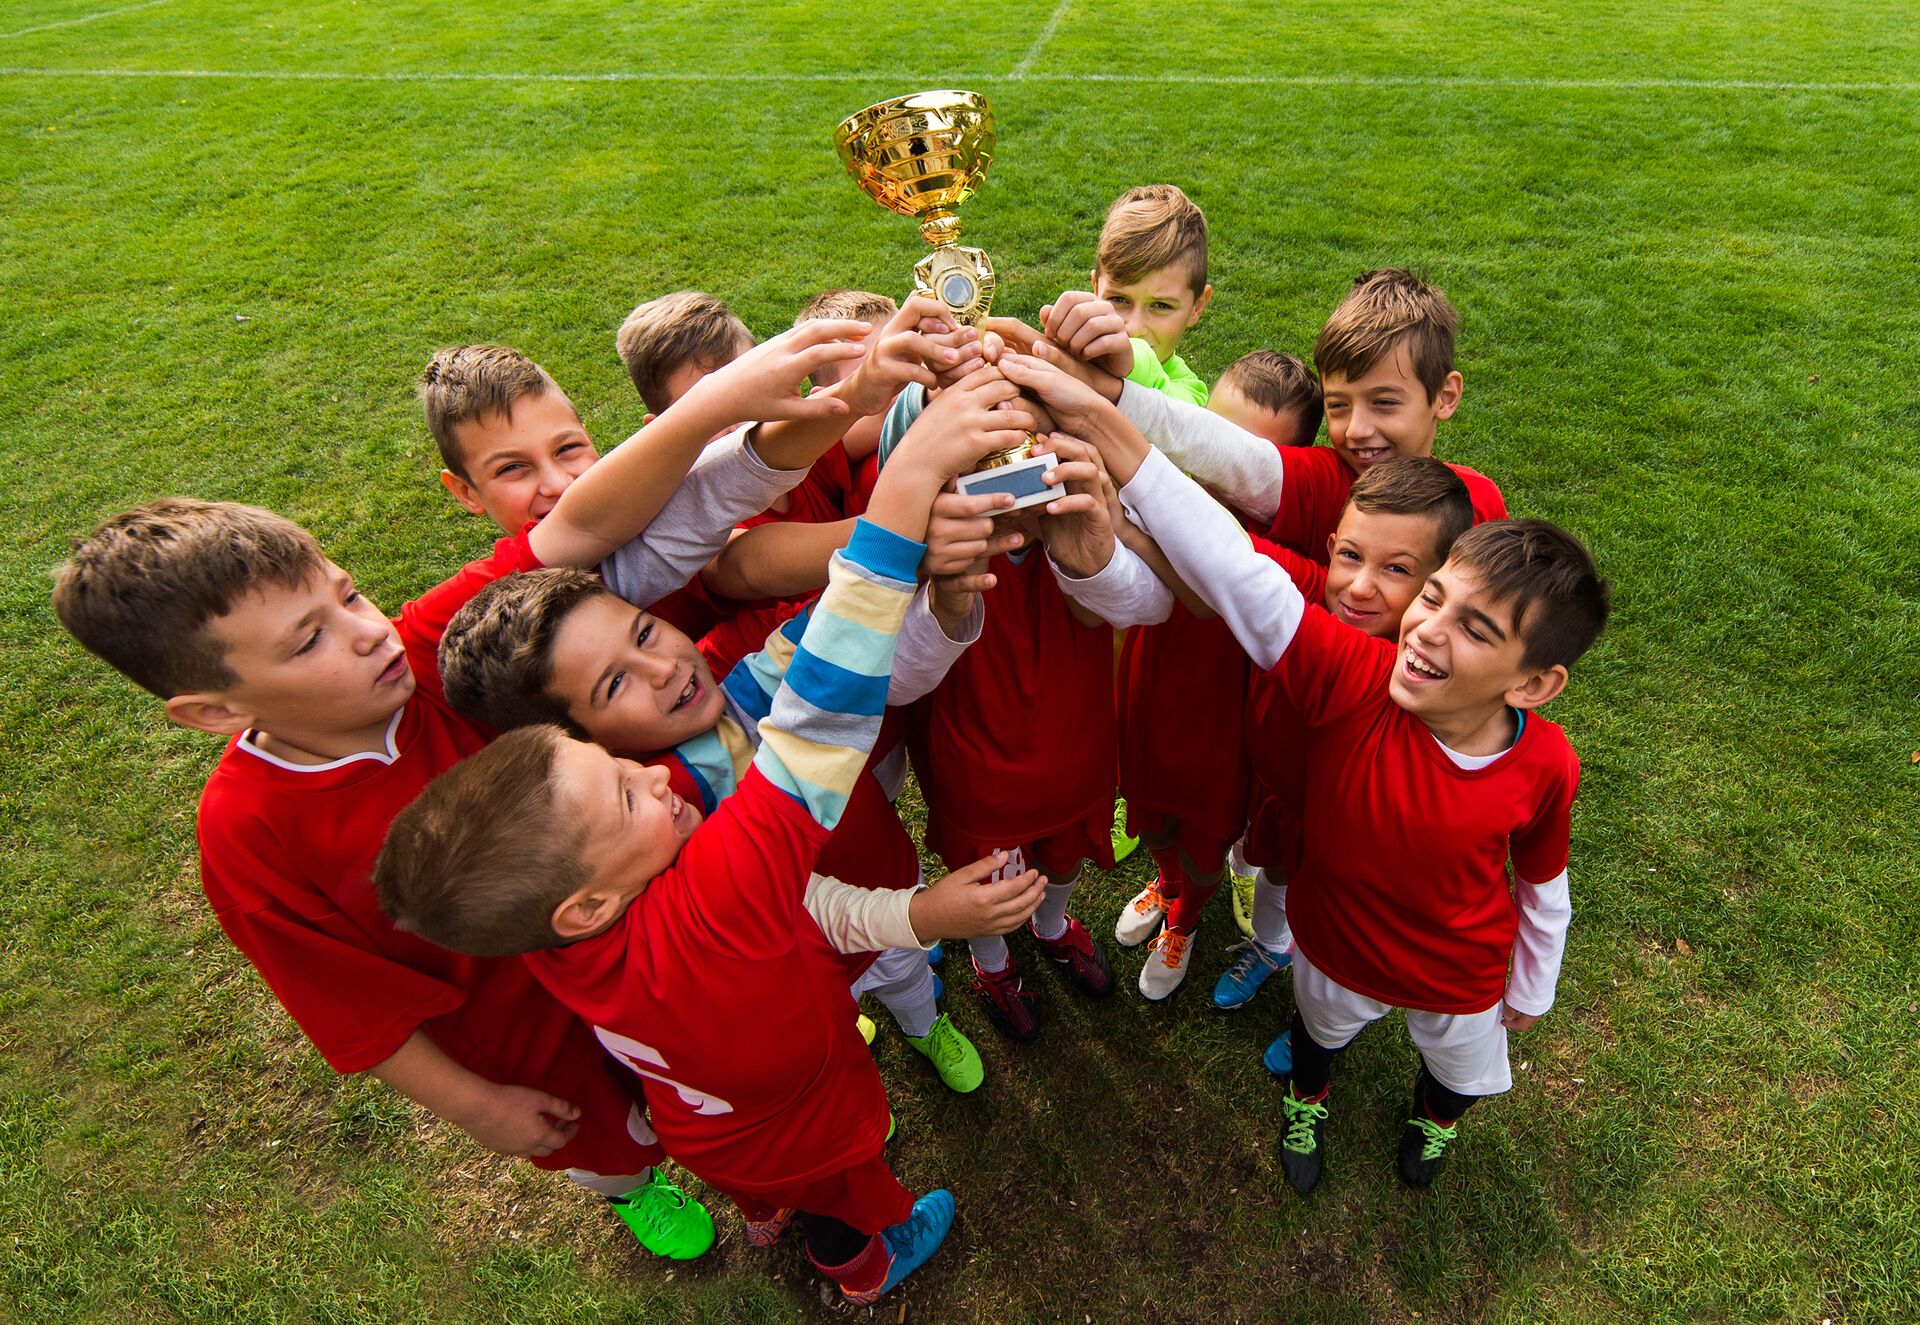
(1314, 493)
(717, 989)
(1403, 893)
(821, 497)
(1276, 741)
(1017, 743)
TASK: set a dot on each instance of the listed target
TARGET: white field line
(864, 76)
(1039, 43)
(84, 18)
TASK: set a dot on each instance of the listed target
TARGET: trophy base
(1022, 478)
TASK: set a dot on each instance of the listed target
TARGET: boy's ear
(462, 491)
(586, 912)
(1447, 399)
(208, 711)
(1538, 687)
(1200, 306)
(1332, 539)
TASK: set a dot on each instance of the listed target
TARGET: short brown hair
(662, 335)
(1279, 382)
(482, 857)
(1559, 601)
(465, 383)
(496, 657)
(1384, 310)
(139, 590)
(1152, 227)
(855, 305)
(1417, 485)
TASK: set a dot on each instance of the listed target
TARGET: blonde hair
(1278, 382)
(1384, 310)
(483, 856)
(685, 327)
(857, 305)
(139, 590)
(469, 382)
(1153, 227)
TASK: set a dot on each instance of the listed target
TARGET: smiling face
(1462, 664)
(1377, 562)
(1159, 307)
(319, 672)
(1385, 411)
(517, 466)
(632, 827)
(631, 681)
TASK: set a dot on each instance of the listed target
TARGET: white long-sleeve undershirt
(1243, 468)
(1124, 592)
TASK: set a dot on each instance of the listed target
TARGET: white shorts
(1466, 1052)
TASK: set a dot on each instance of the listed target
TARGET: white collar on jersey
(391, 753)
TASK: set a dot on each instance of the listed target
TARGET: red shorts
(867, 1196)
(1273, 833)
(513, 1032)
(1207, 850)
(1089, 837)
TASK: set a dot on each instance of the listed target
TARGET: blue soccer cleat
(1279, 1055)
(911, 1242)
(1252, 965)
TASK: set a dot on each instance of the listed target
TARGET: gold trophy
(922, 156)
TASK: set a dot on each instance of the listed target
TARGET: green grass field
(1682, 241)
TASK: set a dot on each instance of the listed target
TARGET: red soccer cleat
(1083, 962)
(1007, 1003)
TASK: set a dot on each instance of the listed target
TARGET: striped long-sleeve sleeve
(821, 720)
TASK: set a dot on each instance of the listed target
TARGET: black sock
(1312, 1062)
(831, 1242)
(1441, 1105)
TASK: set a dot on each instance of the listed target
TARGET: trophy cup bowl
(923, 155)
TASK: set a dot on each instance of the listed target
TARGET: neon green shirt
(1172, 378)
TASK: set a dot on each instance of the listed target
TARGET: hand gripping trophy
(922, 156)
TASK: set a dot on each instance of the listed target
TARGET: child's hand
(917, 342)
(519, 1121)
(971, 904)
(964, 424)
(1076, 527)
(764, 383)
(951, 597)
(1513, 1021)
(1091, 330)
(961, 532)
(1070, 401)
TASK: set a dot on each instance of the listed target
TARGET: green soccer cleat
(1241, 886)
(1303, 1148)
(665, 1221)
(864, 1024)
(952, 1055)
(1124, 843)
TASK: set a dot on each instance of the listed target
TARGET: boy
(1401, 521)
(237, 620)
(1151, 266)
(1183, 686)
(1385, 359)
(683, 941)
(1429, 751)
(669, 343)
(860, 446)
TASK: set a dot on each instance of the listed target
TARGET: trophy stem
(940, 228)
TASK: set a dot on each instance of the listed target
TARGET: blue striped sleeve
(822, 722)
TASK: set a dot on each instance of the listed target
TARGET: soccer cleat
(1124, 843)
(1278, 1059)
(1303, 1146)
(1241, 886)
(1140, 917)
(936, 954)
(1079, 957)
(1423, 1148)
(910, 1243)
(665, 1221)
(766, 1232)
(1166, 968)
(1251, 966)
(1008, 1005)
(864, 1024)
(939, 987)
(952, 1055)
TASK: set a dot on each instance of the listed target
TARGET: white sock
(1050, 921)
(610, 1185)
(1270, 929)
(901, 979)
(990, 953)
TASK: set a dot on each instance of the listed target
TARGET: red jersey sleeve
(1488, 504)
(743, 873)
(1308, 576)
(1312, 495)
(424, 620)
(1330, 668)
(356, 1005)
(1541, 848)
